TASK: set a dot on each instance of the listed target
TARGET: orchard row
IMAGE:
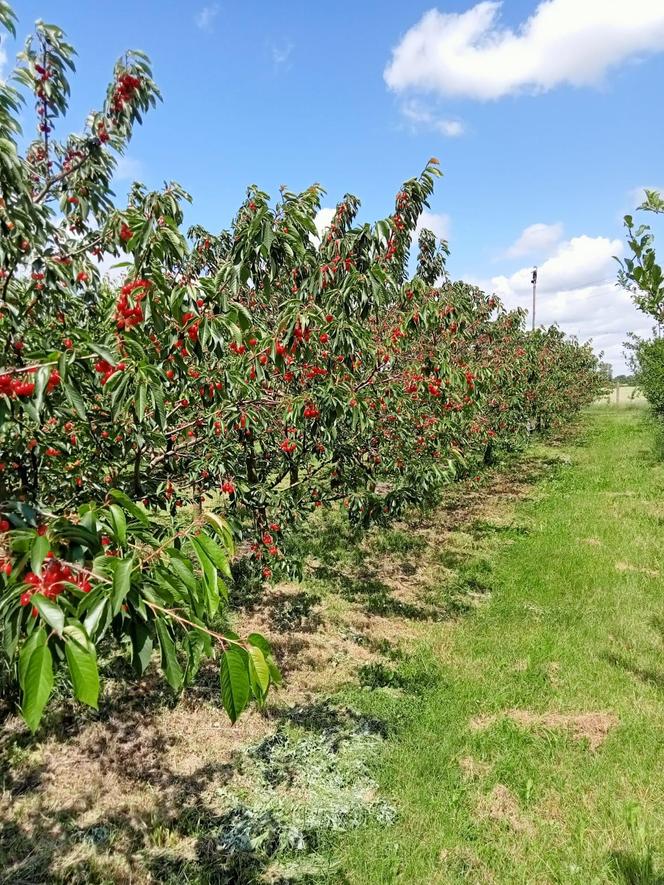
(159, 428)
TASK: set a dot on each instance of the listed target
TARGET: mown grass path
(535, 752)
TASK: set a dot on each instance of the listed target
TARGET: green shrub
(648, 363)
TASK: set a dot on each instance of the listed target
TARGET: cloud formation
(536, 239)
(580, 261)
(573, 42)
(577, 289)
(281, 54)
(206, 17)
(420, 117)
(322, 221)
(437, 223)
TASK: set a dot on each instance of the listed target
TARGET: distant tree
(641, 275)
(606, 371)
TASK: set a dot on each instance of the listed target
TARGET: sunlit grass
(574, 625)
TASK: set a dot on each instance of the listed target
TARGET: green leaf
(37, 684)
(141, 646)
(103, 353)
(82, 662)
(119, 524)
(37, 638)
(76, 400)
(214, 553)
(234, 677)
(261, 642)
(79, 534)
(50, 612)
(95, 616)
(196, 648)
(183, 569)
(140, 401)
(38, 552)
(121, 583)
(210, 580)
(40, 386)
(259, 668)
(222, 528)
(129, 505)
(169, 662)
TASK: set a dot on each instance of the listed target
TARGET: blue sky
(555, 126)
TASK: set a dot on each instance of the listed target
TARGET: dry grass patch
(502, 806)
(473, 769)
(466, 864)
(628, 567)
(593, 727)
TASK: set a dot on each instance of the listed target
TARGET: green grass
(574, 625)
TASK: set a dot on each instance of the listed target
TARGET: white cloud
(581, 261)
(206, 17)
(438, 224)
(420, 117)
(574, 42)
(536, 239)
(576, 288)
(281, 54)
(322, 221)
(451, 128)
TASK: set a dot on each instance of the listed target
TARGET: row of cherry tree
(155, 430)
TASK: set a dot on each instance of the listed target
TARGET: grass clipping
(303, 785)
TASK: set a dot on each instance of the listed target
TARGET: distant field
(623, 396)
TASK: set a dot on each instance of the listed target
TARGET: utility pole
(534, 282)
